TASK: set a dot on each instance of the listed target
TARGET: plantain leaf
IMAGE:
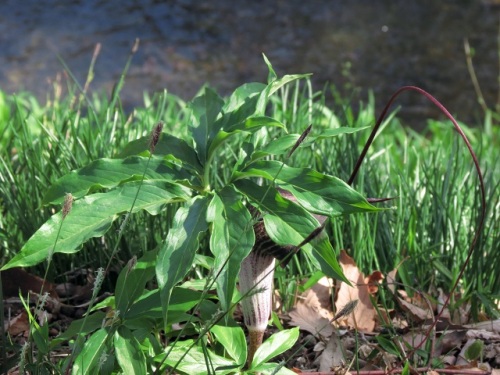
(195, 360)
(92, 216)
(231, 240)
(109, 173)
(88, 359)
(128, 352)
(132, 281)
(275, 345)
(205, 109)
(176, 255)
(279, 146)
(249, 125)
(274, 86)
(317, 192)
(233, 340)
(167, 145)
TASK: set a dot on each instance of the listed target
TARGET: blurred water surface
(382, 45)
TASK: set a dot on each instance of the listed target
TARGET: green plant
(210, 179)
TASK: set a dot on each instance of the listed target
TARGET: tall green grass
(436, 207)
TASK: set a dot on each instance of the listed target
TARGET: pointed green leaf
(233, 340)
(128, 352)
(330, 133)
(194, 361)
(276, 344)
(88, 359)
(274, 86)
(92, 216)
(249, 125)
(278, 146)
(176, 255)
(109, 173)
(317, 192)
(272, 74)
(231, 240)
(132, 280)
(167, 145)
(289, 224)
(241, 100)
(205, 110)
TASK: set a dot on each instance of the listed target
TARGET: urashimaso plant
(215, 197)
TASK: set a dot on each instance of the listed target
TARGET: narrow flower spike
(68, 204)
(155, 137)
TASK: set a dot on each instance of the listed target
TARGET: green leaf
(176, 255)
(88, 359)
(249, 125)
(92, 323)
(329, 133)
(204, 112)
(388, 345)
(194, 361)
(271, 368)
(233, 340)
(128, 352)
(231, 240)
(317, 192)
(40, 335)
(109, 173)
(167, 145)
(271, 77)
(276, 344)
(474, 351)
(274, 86)
(149, 304)
(289, 224)
(241, 100)
(132, 280)
(279, 146)
(92, 216)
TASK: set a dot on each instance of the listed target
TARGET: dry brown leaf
(332, 357)
(312, 312)
(18, 324)
(363, 317)
(416, 313)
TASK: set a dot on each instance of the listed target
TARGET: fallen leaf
(364, 315)
(415, 313)
(18, 324)
(332, 357)
(312, 312)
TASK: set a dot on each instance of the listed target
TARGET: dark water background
(386, 43)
